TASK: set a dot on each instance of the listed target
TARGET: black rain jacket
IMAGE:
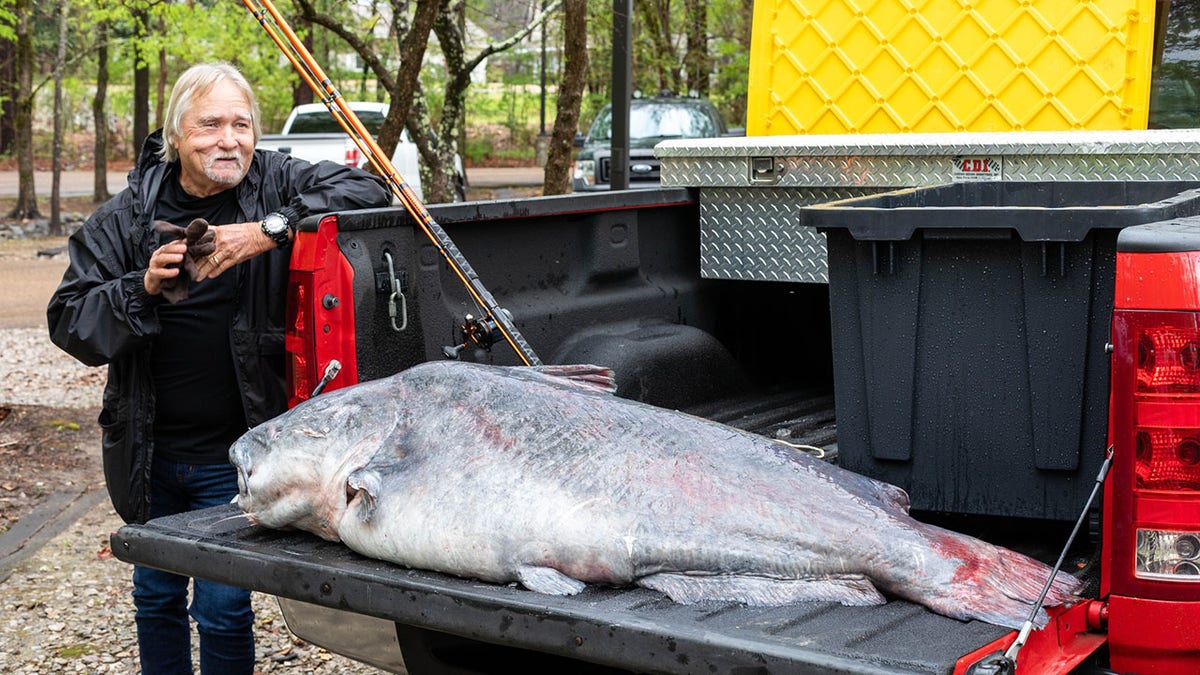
(101, 313)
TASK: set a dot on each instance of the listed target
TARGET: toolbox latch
(765, 170)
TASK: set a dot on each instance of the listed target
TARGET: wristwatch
(275, 226)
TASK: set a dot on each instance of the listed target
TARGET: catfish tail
(968, 578)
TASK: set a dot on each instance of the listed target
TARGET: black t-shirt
(198, 409)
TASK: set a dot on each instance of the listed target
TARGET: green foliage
(8, 20)
(186, 32)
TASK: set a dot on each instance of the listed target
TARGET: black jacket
(101, 313)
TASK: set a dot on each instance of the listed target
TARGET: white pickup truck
(311, 133)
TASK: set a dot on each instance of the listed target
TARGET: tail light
(354, 156)
(320, 313)
(1156, 415)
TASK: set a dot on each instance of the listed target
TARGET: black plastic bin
(969, 327)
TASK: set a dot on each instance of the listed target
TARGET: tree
(60, 62)
(100, 117)
(439, 183)
(8, 78)
(660, 58)
(448, 28)
(26, 206)
(141, 76)
(403, 86)
(695, 59)
(570, 97)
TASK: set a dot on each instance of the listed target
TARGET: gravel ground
(67, 608)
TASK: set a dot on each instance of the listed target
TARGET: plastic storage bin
(969, 328)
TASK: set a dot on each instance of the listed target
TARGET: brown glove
(200, 243)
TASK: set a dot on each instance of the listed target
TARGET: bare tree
(100, 118)
(570, 96)
(60, 61)
(26, 206)
(439, 185)
(448, 28)
(402, 86)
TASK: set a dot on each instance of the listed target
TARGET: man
(187, 376)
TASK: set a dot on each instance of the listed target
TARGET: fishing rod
(477, 330)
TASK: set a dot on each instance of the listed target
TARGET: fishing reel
(482, 332)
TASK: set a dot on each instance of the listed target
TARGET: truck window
(1175, 82)
(323, 123)
(655, 120)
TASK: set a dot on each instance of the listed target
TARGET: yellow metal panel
(885, 66)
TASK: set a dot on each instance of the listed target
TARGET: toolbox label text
(976, 169)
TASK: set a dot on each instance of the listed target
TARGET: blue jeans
(223, 616)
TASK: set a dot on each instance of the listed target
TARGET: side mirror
(578, 141)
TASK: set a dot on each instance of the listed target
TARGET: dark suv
(650, 120)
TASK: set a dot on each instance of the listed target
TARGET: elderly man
(193, 338)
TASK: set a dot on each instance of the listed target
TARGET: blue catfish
(542, 476)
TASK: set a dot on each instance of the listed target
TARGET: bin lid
(1032, 210)
(1173, 236)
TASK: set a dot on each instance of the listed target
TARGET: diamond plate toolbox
(751, 189)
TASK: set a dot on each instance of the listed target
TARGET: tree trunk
(412, 55)
(100, 118)
(570, 96)
(302, 94)
(161, 103)
(8, 99)
(26, 206)
(656, 27)
(696, 58)
(60, 60)
(458, 78)
(141, 82)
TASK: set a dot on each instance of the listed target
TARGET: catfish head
(292, 470)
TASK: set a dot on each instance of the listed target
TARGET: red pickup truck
(982, 348)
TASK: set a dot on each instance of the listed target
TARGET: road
(80, 183)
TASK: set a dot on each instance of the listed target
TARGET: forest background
(492, 80)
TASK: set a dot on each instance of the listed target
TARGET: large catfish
(542, 476)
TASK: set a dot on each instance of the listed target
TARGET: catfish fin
(587, 376)
(849, 589)
(364, 483)
(548, 580)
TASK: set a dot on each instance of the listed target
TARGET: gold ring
(215, 261)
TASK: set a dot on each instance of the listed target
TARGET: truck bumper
(1153, 637)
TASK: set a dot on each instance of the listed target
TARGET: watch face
(274, 224)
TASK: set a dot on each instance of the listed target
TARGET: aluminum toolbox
(751, 189)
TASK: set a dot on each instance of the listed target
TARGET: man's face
(216, 141)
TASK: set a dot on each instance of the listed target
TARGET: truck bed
(634, 629)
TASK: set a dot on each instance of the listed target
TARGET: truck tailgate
(636, 629)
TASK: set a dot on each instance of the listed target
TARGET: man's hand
(235, 243)
(164, 264)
